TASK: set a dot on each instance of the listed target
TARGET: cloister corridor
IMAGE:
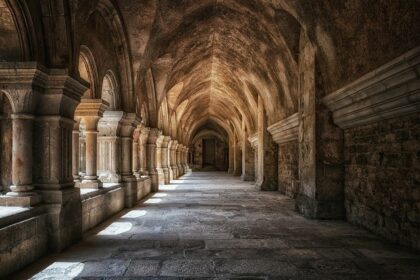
(212, 224)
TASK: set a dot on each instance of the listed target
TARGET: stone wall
(198, 154)
(100, 205)
(144, 187)
(221, 158)
(289, 169)
(22, 243)
(221, 162)
(382, 184)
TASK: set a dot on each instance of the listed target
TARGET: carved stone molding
(285, 130)
(253, 139)
(91, 107)
(129, 122)
(389, 91)
(109, 124)
(51, 91)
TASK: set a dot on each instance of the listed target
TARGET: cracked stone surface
(212, 225)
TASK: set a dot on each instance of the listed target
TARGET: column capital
(110, 123)
(159, 140)
(144, 133)
(90, 111)
(173, 144)
(91, 108)
(253, 140)
(165, 141)
(154, 133)
(129, 122)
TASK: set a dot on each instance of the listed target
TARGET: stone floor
(213, 225)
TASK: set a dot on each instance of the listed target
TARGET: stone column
(154, 134)
(128, 123)
(22, 98)
(90, 111)
(22, 188)
(109, 146)
(267, 154)
(75, 150)
(90, 180)
(144, 135)
(159, 169)
(171, 172)
(136, 152)
(178, 160)
(174, 166)
(165, 159)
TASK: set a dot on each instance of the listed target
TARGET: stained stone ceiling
(218, 55)
(193, 65)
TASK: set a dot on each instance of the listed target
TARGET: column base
(317, 209)
(20, 200)
(247, 177)
(267, 185)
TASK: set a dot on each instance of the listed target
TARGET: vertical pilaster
(247, 157)
(267, 154)
(321, 162)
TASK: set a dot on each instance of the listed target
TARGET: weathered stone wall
(22, 243)
(382, 183)
(97, 208)
(289, 169)
(198, 154)
(144, 187)
(221, 160)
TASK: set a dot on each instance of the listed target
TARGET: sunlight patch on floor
(116, 228)
(135, 214)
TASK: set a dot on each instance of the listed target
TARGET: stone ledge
(391, 90)
(11, 215)
(107, 187)
(285, 130)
